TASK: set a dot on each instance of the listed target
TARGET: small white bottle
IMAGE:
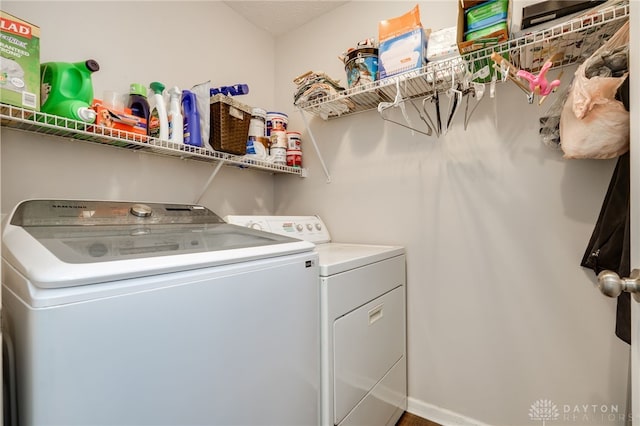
(158, 119)
(175, 118)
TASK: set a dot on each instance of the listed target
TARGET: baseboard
(440, 415)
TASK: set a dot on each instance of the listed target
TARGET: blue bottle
(191, 119)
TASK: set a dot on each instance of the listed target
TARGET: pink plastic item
(540, 80)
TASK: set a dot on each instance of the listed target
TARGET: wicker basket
(229, 129)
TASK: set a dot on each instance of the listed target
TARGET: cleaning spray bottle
(158, 120)
(192, 135)
(175, 116)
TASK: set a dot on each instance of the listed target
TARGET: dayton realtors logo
(545, 410)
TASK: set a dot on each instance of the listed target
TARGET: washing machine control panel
(308, 228)
(55, 213)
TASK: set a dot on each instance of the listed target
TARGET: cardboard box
(119, 120)
(19, 62)
(500, 35)
(466, 4)
(394, 27)
(403, 53)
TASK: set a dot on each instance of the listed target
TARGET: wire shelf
(37, 122)
(568, 43)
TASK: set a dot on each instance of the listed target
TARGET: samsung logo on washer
(68, 206)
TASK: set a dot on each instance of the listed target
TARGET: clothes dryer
(363, 322)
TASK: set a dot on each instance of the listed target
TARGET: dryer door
(367, 343)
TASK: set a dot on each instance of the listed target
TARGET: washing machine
(363, 322)
(118, 313)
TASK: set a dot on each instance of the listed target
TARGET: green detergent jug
(67, 89)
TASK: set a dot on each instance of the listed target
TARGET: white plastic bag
(603, 133)
(203, 95)
(593, 124)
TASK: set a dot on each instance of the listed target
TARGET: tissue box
(19, 62)
(442, 44)
(403, 44)
(403, 53)
(496, 32)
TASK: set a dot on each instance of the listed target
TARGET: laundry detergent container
(67, 89)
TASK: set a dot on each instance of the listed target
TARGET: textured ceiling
(279, 17)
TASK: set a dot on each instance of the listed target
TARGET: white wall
(500, 314)
(177, 43)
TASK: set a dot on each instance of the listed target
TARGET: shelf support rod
(206, 185)
(315, 145)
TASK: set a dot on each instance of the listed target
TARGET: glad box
(19, 62)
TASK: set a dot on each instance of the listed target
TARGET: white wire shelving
(37, 122)
(568, 43)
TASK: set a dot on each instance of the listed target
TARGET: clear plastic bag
(550, 122)
(203, 94)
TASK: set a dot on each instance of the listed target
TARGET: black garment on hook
(609, 246)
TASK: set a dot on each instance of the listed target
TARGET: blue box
(403, 53)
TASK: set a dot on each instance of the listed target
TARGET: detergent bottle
(138, 102)
(175, 116)
(158, 119)
(67, 89)
(191, 116)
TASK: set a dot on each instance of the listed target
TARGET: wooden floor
(409, 419)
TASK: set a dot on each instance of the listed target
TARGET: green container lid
(138, 89)
(157, 87)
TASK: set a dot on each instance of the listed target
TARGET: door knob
(610, 284)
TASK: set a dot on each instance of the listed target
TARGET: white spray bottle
(176, 121)
(158, 120)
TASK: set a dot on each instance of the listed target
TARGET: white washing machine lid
(335, 258)
(64, 243)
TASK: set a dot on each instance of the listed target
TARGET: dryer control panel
(308, 228)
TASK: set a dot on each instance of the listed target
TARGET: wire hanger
(455, 99)
(472, 89)
(399, 102)
(477, 91)
(507, 70)
(434, 99)
(426, 120)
